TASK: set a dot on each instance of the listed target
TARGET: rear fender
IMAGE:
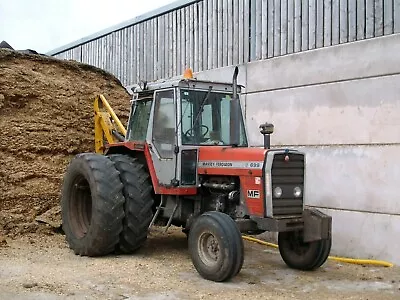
(124, 147)
(142, 152)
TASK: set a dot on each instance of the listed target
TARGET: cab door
(163, 136)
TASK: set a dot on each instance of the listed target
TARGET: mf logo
(255, 194)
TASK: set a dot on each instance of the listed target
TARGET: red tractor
(185, 161)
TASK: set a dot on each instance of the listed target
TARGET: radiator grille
(287, 175)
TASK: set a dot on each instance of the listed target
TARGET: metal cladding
(210, 34)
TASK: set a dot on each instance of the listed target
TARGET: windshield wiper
(203, 102)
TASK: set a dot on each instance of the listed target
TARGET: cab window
(139, 120)
(164, 123)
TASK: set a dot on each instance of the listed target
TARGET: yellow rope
(336, 258)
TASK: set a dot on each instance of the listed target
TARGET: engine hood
(211, 157)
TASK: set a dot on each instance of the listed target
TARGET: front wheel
(301, 255)
(216, 246)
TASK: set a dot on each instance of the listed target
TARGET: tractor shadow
(173, 242)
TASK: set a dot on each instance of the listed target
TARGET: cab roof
(190, 84)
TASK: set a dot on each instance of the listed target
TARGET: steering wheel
(189, 133)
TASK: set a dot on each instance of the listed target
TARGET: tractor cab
(177, 117)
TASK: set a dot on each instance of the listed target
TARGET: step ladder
(162, 207)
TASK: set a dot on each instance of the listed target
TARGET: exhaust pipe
(236, 113)
(235, 75)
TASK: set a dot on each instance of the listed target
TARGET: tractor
(185, 160)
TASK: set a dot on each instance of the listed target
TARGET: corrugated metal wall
(216, 33)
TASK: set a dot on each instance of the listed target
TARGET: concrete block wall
(341, 106)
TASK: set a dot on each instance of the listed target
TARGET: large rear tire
(216, 246)
(92, 205)
(300, 255)
(138, 202)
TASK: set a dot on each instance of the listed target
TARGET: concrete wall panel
(224, 74)
(362, 111)
(359, 178)
(365, 235)
(360, 59)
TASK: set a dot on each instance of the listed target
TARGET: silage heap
(46, 117)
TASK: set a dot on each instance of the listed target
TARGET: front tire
(138, 202)
(300, 255)
(216, 246)
(92, 205)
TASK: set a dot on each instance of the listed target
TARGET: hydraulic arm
(107, 125)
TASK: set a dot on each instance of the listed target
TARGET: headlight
(297, 192)
(277, 192)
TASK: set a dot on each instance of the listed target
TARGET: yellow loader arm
(104, 124)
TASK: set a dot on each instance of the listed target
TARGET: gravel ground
(43, 267)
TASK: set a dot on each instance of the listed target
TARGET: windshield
(206, 118)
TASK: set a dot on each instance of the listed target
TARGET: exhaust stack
(235, 114)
